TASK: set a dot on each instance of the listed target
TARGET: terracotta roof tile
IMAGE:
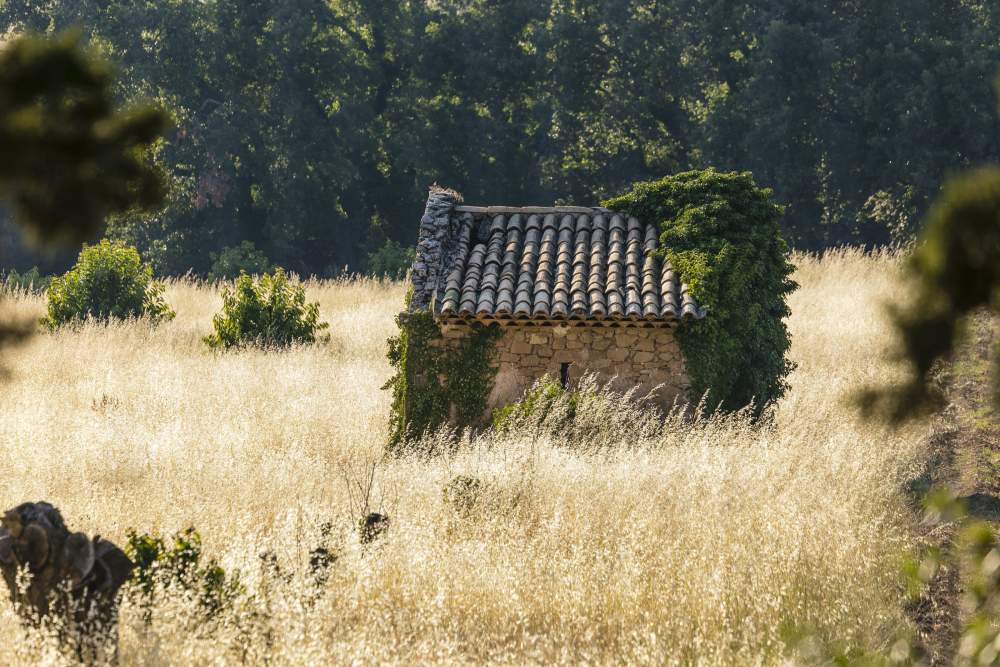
(560, 263)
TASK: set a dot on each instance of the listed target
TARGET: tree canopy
(312, 128)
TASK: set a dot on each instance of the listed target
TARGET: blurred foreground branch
(955, 270)
(68, 157)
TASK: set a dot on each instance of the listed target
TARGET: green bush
(392, 260)
(234, 260)
(180, 566)
(265, 311)
(109, 281)
(721, 233)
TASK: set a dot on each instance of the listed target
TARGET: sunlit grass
(713, 542)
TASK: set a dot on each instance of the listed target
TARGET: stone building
(575, 290)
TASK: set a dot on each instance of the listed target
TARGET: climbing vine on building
(437, 378)
(721, 232)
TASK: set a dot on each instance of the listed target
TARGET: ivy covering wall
(437, 379)
(722, 233)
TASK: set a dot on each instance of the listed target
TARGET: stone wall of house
(629, 357)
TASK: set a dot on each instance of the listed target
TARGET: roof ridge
(505, 210)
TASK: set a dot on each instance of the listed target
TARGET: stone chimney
(437, 234)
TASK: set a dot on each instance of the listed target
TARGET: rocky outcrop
(68, 574)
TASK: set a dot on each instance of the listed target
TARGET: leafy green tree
(391, 260)
(277, 125)
(109, 282)
(312, 128)
(721, 232)
(836, 102)
(536, 406)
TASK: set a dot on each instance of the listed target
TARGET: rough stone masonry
(648, 359)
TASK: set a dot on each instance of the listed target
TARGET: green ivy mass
(430, 377)
(721, 232)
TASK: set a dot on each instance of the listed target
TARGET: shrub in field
(180, 566)
(591, 415)
(265, 311)
(109, 281)
(234, 260)
(469, 497)
(721, 233)
(372, 527)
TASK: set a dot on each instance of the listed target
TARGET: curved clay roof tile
(559, 262)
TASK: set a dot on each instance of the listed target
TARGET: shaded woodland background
(312, 127)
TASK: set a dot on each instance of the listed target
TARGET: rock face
(69, 573)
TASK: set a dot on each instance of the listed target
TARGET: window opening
(564, 375)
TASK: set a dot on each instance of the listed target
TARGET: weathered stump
(68, 575)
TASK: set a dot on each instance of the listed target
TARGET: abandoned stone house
(574, 289)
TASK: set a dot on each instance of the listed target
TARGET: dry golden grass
(710, 543)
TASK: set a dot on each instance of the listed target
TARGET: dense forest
(312, 128)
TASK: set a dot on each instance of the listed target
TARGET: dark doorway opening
(564, 375)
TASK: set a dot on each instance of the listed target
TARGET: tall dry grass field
(688, 543)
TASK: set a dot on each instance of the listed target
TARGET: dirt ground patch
(965, 457)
